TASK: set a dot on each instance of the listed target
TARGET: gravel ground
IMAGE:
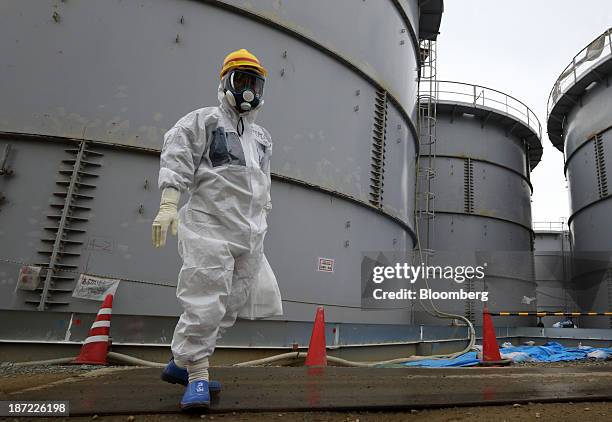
(553, 412)
(8, 369)
(587, 362)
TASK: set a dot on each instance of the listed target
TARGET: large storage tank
(486, 144)
(553, 271)
(90, 87)
(580, 125)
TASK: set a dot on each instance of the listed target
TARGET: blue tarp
(549, 352)
(466, 359)
(555, 352)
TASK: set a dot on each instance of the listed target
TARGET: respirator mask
(244, 89)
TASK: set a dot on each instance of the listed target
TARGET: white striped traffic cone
(95, 348)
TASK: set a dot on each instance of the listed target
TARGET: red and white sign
(326, 265)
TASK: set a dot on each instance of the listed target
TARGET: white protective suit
(222, 226)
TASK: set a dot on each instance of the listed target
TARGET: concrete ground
(320, 392)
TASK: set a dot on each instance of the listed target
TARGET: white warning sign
(94, 288)
(326, 265)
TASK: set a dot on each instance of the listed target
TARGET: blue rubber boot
(175, 375)
(196, 396)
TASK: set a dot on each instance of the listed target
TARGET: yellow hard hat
(242, 59)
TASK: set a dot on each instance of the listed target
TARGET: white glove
(166, 217)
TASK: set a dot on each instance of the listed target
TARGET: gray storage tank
(553, 271)
(580, 125)
(90, 88)
(486, 145)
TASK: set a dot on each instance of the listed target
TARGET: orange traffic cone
(317, 356)
(95, 348)
(490, 350)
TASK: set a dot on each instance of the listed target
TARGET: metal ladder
(426, 121)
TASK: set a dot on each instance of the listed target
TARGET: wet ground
(138, 391)
(546, 412)
(15, 378)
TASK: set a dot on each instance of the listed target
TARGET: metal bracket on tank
(468, 186)
(377, 171)
(609, 279)
(485, 119)
(4, 170)
(527, 162)
(600, 167)
(66, 246)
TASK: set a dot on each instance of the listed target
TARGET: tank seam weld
(274, 176)
(481, 160)
(475, 214)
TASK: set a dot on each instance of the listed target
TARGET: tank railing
(478, 95)
(557, 226)
(597, 51)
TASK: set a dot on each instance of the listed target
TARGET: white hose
(270, 359)
(340, 361)
(112, 356)
(130, 360)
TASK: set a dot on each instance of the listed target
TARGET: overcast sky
(520, 47)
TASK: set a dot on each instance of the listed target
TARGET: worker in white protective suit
(220, 158)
